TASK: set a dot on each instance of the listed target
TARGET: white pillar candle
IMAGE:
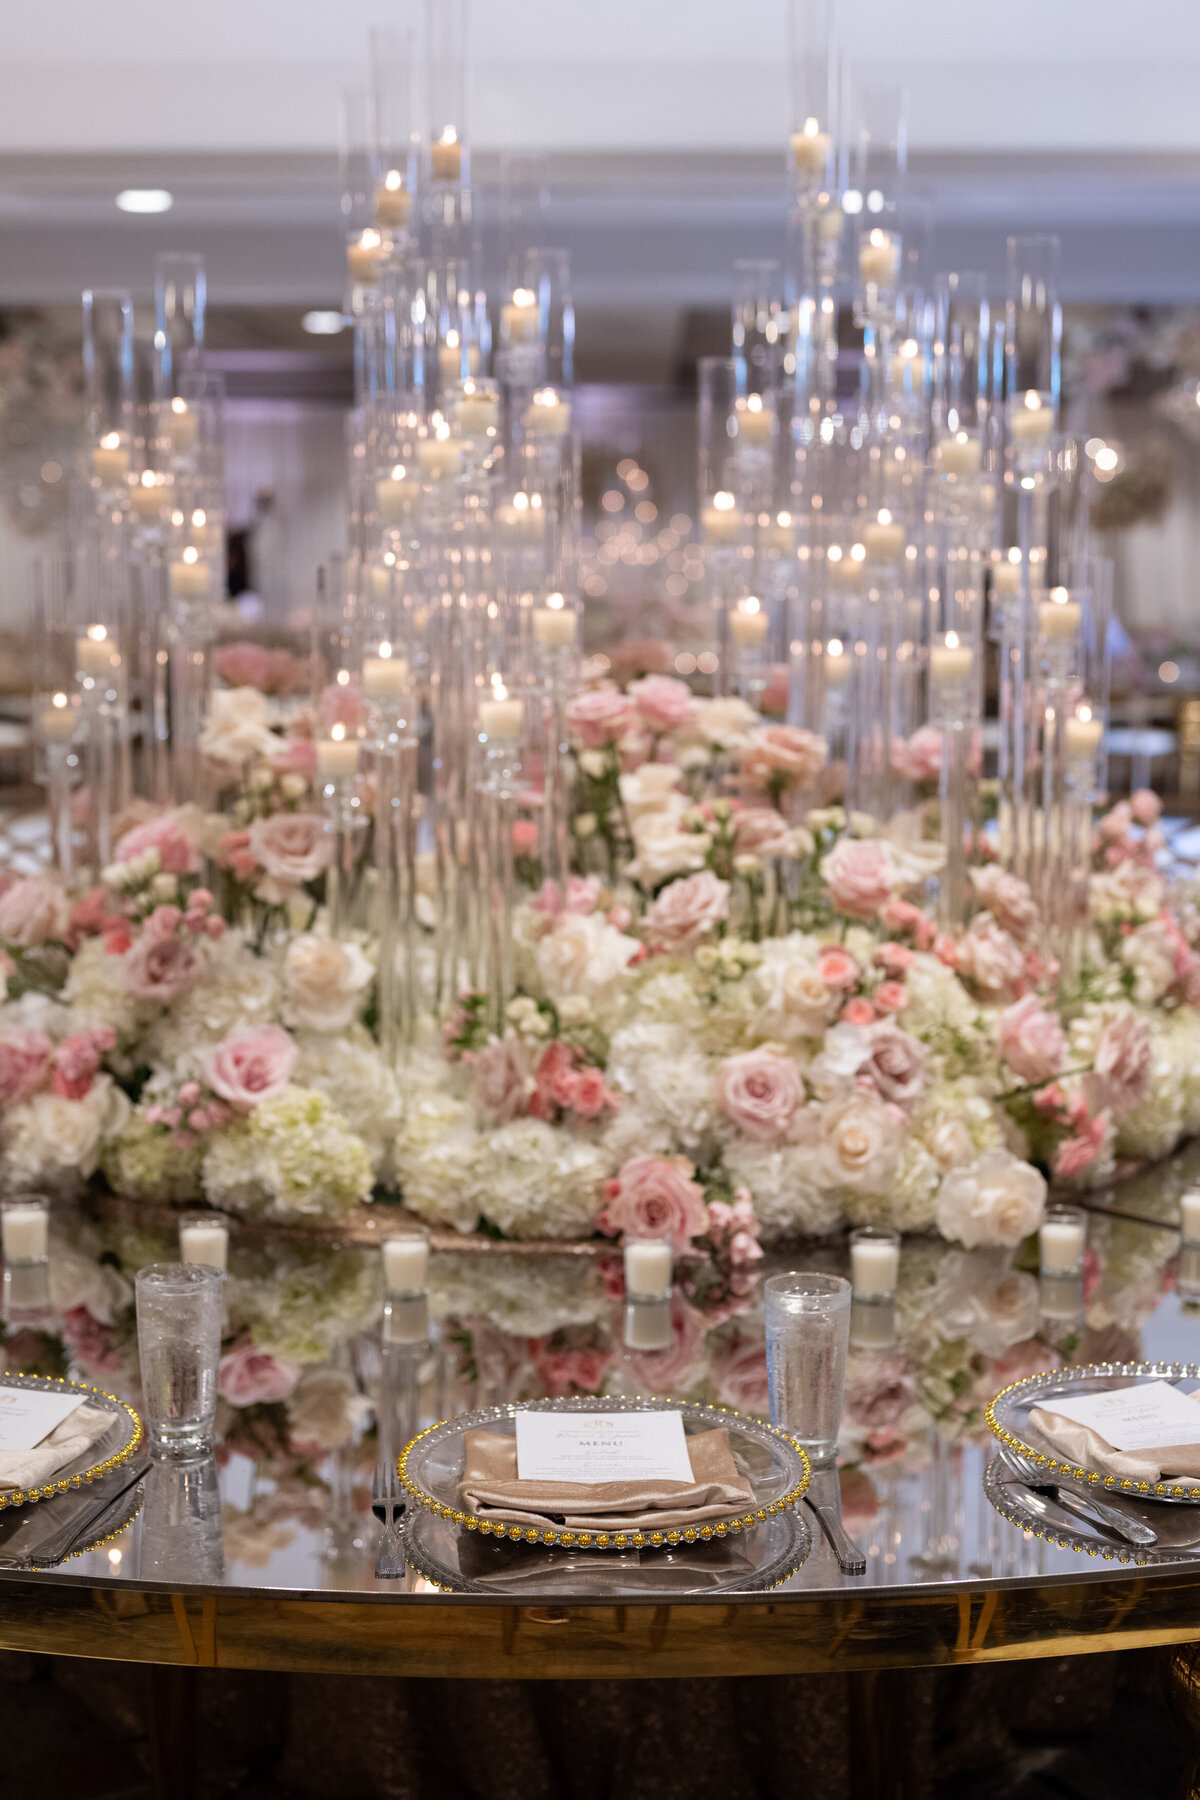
(379, 580)
(837, 663)
(781, 534)
(524, 519)
(720, 520)
(755, 422)
(24, 1233)
(1061, 1241)
(406, 1263)
(58, 720)
(439, 456)
(189, 576)
(364, 255)
(94, 651)
(810, 149)
(748, 629)
(393, 202)
(204, 1241)
(476, 410)
(874, 1267)
(445, 156)
(450, 358)
(1059, 617)
(501, 717)
(1189, 1209)
(878, 258)
(110, 459)
(950, 663)
(1006, 577)
(648, 1325)
(148, 497)
(1187, 1272)
(183, 428)
(960, 455)
(846, 571)
(554, 627)
(1031, 423)
(1083, 734)
(883, 538)
(337, 756)
(647, 1268)
(385, 677)
(395, 496)
(519, 318)
(548, 416)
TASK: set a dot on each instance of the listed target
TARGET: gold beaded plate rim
(64, 1484)
(1025, 1391)
(697, 1410)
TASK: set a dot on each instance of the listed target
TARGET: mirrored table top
(317, 1383)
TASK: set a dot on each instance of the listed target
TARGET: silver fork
(387, 1503)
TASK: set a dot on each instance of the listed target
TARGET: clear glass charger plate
(1008, 1416)
(1006, 1489)
(100, 1458)
(431, 1469)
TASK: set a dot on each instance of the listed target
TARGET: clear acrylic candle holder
(204, 1238)
(1062, 1241)
(808, 1334)
(405, 1263)
(25, 1230)
(179, 1313)
(874, 1264)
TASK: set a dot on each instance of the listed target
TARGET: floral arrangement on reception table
(737, 1020)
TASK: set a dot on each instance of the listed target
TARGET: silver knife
(1092, 1512)
(850, 1557)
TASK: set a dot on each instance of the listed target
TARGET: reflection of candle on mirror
(1032, 422)
(878, 258)
(648, 1325)
(960, 455)
(554, 623)
(393, 202)
(337, 755)
(1083, 733)
(548, 416)
(189, 575)
(810, 149)
(476, 409)
(755, 422)
(500, 716)
(406, 1262)
(1059, 616)
(748, 624)
(519, 317)
(721, 521)
(395, 496)
(94, 651)
(110, 458)
(58, 719)
(364, 255)
(385, 676)
(445, 155)
(182, 427)
(950, 663)
(1189, 1209)
(205, 1241)
(883, 537)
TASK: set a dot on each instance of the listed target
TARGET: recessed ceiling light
(323, 324)
(145, 200)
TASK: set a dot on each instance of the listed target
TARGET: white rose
(1150, 953)
(859, 1137)
(996, 1200)
(323, 983)
(725, 724)
(984, 1301)
(652, 789)
(583, 955)
(49, 1138)
(236, 731)
(797, 1003)
(326, 1409)
(663, 851)
(79, 1278)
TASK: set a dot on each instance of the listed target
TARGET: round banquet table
(265, 1562)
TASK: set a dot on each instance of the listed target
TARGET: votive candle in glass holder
(1189, 1216)
(874, 1263)
(872, 1322)
(648, 1267)
(1187, 1273)
(1062, 1239)
(406, 1319)
(204, 1238)
(405, 1262)
(1060, 1302)
(648, 1324)
(25, 1230)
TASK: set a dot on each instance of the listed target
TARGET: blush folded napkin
(56, 1452)
(491, 1488)
(1086, 1448)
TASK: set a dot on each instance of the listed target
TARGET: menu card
(27, 1415)
(1149, 1416)
(595, 1447)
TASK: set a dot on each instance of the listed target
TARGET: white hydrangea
(236, 988)
(350, 1072)
(633, 1130)
(53, 1142)
(937, 999)
(910, 1200)
(526, 1296)
(672, 1083)
(439, 1160)
(95, 992)
(541, 1181)
(787, 1203)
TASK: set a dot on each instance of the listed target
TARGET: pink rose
(640, 656)
(292, 848)
(656, 1197)
(160, 967)
(861, 876)
(686, 910)
(588, 1094)
(782, 756)
(524, 837)
(1009, 900)
(347, 706)
(89, 1341)
(599, 717)
(24, 1064)
(890, 997)
(739, 1374)
(896, 1062)
(77, 1060)
(243, 665)
(761, 831)
(177, 854)
(858, 1011)
(836, 967)
(504, 1081)
(251, 1063)
(567, 1368)
(33, 911)
(1079, 1152)
(663, 703)
(895, 959)
(919, 757)
(294, 756)
(1124, 1062)
(1145, 806)
(761, 1093)
(1031, 1040)
(989, 958)
(248, 1376)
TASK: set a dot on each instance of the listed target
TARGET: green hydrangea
(294, 1155)
(145, 1163)
(306, 1302)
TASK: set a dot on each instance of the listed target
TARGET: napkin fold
(56, 1452)
(491, 1488)
(1081, 1445)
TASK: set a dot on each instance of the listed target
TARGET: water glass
(179, 1310)
(808, 1332)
